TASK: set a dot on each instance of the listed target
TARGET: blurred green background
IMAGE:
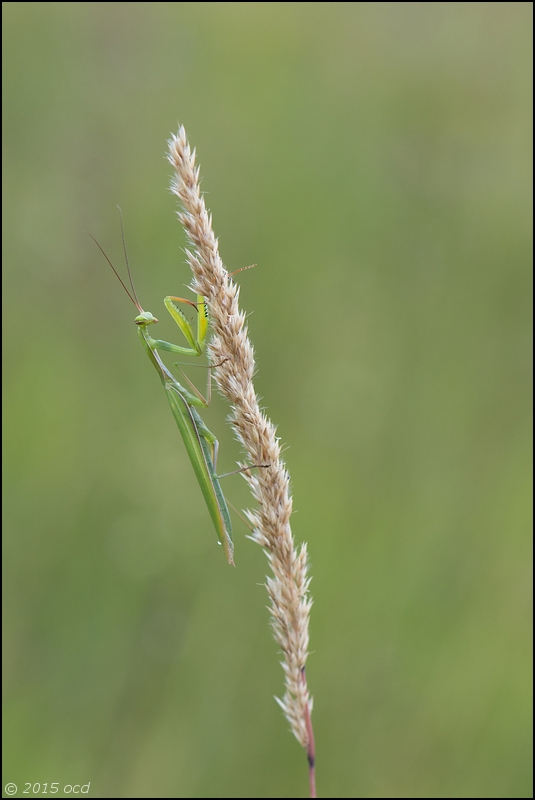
(373, 159)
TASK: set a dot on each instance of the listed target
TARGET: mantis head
(145, 318)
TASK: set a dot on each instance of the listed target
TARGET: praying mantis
(201, 444)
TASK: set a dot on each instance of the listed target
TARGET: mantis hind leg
(208, 437)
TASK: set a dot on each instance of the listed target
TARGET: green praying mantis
(201, 444)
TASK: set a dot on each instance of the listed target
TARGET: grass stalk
(231, 348)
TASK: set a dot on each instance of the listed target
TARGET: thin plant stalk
(231, 349)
